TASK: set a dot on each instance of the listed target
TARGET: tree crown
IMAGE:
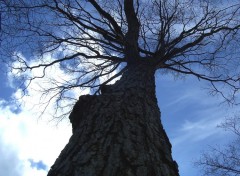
(94, 40)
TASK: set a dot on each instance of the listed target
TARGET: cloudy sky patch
(28, 145)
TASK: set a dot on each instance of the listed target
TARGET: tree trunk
(118, 133)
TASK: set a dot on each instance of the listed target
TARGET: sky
(29, 145)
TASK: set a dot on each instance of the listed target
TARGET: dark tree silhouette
(224, 161)
(117, 130)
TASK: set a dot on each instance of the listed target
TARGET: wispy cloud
(195, 131)
(190, 117)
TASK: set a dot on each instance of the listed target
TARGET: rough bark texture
(118, 133)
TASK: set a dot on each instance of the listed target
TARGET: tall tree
(117, 130)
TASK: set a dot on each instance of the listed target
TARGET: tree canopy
(94, 40)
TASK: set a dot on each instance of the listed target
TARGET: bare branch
(87, 39)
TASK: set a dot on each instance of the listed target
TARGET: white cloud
(39, 98)
(23, 137)
(9, 161)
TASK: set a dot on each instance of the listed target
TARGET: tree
(224, 161)
(117, 130)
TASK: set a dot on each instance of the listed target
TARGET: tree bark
(118, 133)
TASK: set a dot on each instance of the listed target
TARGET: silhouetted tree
(224, 161)
(117, 130)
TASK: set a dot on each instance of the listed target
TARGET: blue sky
(190, 116)
(29, 146)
